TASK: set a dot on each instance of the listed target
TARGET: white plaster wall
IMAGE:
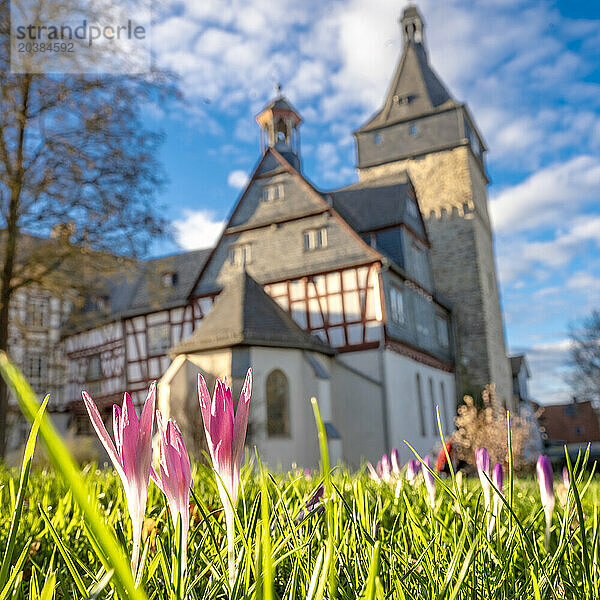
(365, 361)
(358, 410)
(402, 405)
(301, 446)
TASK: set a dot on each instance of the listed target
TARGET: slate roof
(367, 205)
(245, 315)
(516, 362)
(413, 76)
(282, 103)
(136, 288)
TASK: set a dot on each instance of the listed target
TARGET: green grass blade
(18, 509)
(65, 465)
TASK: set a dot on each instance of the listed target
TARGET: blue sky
(529, 71)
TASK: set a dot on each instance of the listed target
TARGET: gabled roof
(517, 362)
(370, 205)
(245, 315)
(273, 162)
(415, 90)
(136, 287)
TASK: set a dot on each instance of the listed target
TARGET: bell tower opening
(279, 123)
(412, 26)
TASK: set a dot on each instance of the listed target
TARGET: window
(168, 279)
(420, 405)
(278, 422)
(420, 263)
(36, 369)
(378, 139)
(37, 310)
(240, 255)
(272, 192)
(413, 129)
(159, 338)
(94, 368)
(441, 328)
(315, 238)
(434, 429)
(396, 305)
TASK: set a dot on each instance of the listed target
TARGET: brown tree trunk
(10, 249)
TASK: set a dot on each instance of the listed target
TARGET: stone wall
(451, 190)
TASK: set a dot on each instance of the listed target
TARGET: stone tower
(423, 130)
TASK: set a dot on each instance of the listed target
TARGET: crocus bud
(482, 459)
(497, 480)
(546, 481)
(498, 476)
(386, 468)
(174, 477)
(412, 470)
(566, 477)
(429, 480)
(131, 455)
(373, 472)
(395, 456)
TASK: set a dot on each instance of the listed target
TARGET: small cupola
(412, 26)
(279, 123)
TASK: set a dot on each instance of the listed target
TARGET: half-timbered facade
(336, 299)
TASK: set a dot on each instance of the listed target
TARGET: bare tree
(585, 358)
(76, 160)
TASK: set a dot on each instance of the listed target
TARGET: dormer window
(272, 192)
(100, 303)
(413, 129)
(169, 279)
(240, 255)
(378, 139)
(315, 238)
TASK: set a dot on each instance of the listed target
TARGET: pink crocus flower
(225, 432)
(482, 459)
(545, 477)
(373, 474)
(566, 477)
(386, 468)
(395, 456)
(131, 455)
(498, 481)
(412, 470)
(175, 476)
(225, 436)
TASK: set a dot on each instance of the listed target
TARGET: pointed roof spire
(415, 89)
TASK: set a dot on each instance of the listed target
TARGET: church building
(379, 299)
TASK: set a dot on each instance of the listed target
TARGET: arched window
(420, 405)
(278, 419)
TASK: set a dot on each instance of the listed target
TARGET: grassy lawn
(386, 530)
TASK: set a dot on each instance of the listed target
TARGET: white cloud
(197, 229)
(548, 196)
(237, 179)
(519, 256)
